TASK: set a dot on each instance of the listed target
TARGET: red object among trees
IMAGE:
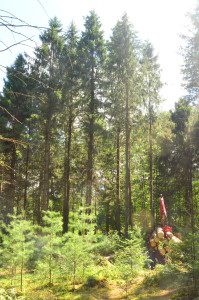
(167, 228)
(163, 212)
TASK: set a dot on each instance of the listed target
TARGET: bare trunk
(26, 178)
(117, 203)
(12, 178)
(107, 216)
(74, 274)
(90, 164)
(21, 274)
(152, 210)
(128, 203)
(8, 193)
(67, 158)
(47, 135)
(46, 179)
(50, 270)
(37, 202)
(89, 185)
(189, 188)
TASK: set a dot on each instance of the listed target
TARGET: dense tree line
(87, 132)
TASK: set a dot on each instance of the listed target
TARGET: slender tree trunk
(12, 180)
(8, 194)
(90, 165)
(128, 203)
(1, 180)
(189, 199)
(189, 191)
(89, 185)
(46, 179)
(47, 135)
(26, 178)
(37, 202)
(131, 208)
(50, 270)
(190, 195)
(152, 210)
(67, 159)
(74, 274)
(107, 215)
(117, 203)
(21, 274)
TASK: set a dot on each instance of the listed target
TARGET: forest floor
(149, 285)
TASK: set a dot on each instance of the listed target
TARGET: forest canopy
(85, 151)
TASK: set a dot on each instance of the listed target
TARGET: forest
(85, 153)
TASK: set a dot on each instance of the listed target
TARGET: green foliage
(105, 244)
(76, 258)
(132, 256)
(17, 245)
(7, 295)
(52, 245)
(190, 252)
(79, 126)
(82, 222)
(162, 274)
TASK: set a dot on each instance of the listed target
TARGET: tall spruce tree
(150, 86)
(91, 63)
(17, 109)
(48, 71)
(191, 78)
(70, 95)
(191, 63)
(123, 67)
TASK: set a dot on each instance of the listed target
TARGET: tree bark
(26, 178)
(67, 159)
(189, 191)
(46, 178)
(152, 210)
(128, 203)
(90, 164)
(37, 202)
(107, 215)
(47, 134)
(89, 184)
(189, 200)
(8, 193)
(117, 202)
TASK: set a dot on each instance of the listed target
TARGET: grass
(162, 283)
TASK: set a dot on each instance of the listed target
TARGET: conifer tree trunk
(26, 177)
(128, 203)
(90, 163)
(89, 184)
(191, 211)
(189, 191)
(67, 159)
(152, 210)
(12, 179)
(107, 215)
(45, 195)
(9, 190)
(117, 204)
(37, 202)
(47, 143)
